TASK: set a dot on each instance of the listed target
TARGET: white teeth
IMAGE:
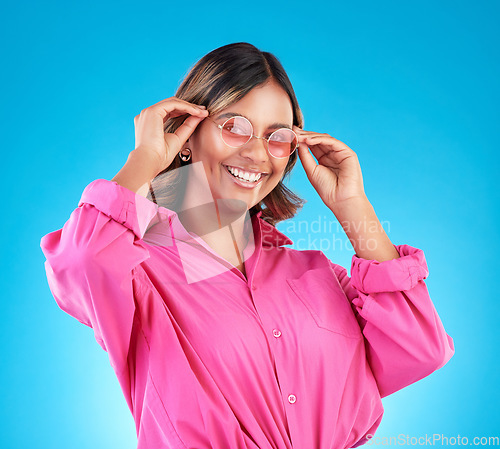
(249, 177)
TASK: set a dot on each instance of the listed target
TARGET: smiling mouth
(240, 175)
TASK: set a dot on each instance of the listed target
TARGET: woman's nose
(255, 149)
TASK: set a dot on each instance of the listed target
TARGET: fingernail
(201, 106)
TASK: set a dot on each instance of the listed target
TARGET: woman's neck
(224, 224)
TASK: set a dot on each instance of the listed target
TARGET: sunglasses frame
(221, 127)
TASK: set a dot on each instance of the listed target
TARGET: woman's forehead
(266, 105)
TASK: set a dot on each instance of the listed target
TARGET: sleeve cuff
(372, 276)
(121, 204)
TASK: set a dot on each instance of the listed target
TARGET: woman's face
(268, 108)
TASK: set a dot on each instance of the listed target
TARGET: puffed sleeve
(405, 339)
(91, 261)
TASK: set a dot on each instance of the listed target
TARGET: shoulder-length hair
(218, 79)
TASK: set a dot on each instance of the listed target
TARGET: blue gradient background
(409, 86)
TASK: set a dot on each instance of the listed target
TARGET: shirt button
(277, 333)
(292, 398)
(254, 287)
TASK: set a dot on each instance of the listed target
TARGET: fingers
(177, 112)
(175, 107)
(306, 141)
(171, 107)
(304, 136)
(308, 134)
(150, 126)
(157, 115)
(187, 128)
(306, 158)
(326, 150)
(320, 141)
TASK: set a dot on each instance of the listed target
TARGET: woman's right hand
(150, 136)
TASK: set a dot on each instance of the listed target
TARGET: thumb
(307, 159)
(184, 131)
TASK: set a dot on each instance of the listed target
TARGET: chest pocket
(322, 295)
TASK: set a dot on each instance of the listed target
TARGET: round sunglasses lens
(282, 143)
(236, 131)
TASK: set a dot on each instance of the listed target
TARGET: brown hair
(218, 79)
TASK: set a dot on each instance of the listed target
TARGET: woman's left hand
(337, 174)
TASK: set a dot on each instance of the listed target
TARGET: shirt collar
(265, 234)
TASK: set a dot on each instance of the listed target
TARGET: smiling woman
(220, 336)
(263, 104)
(237, 80)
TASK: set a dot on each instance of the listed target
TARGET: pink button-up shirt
(298, 355)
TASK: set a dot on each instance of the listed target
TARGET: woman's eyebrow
(275, 125)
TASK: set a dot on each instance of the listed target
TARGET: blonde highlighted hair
(218, 79)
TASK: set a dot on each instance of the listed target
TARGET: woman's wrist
(141, 167)
(364, 230)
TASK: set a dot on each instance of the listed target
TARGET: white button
(276, 333)
(292, 398)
